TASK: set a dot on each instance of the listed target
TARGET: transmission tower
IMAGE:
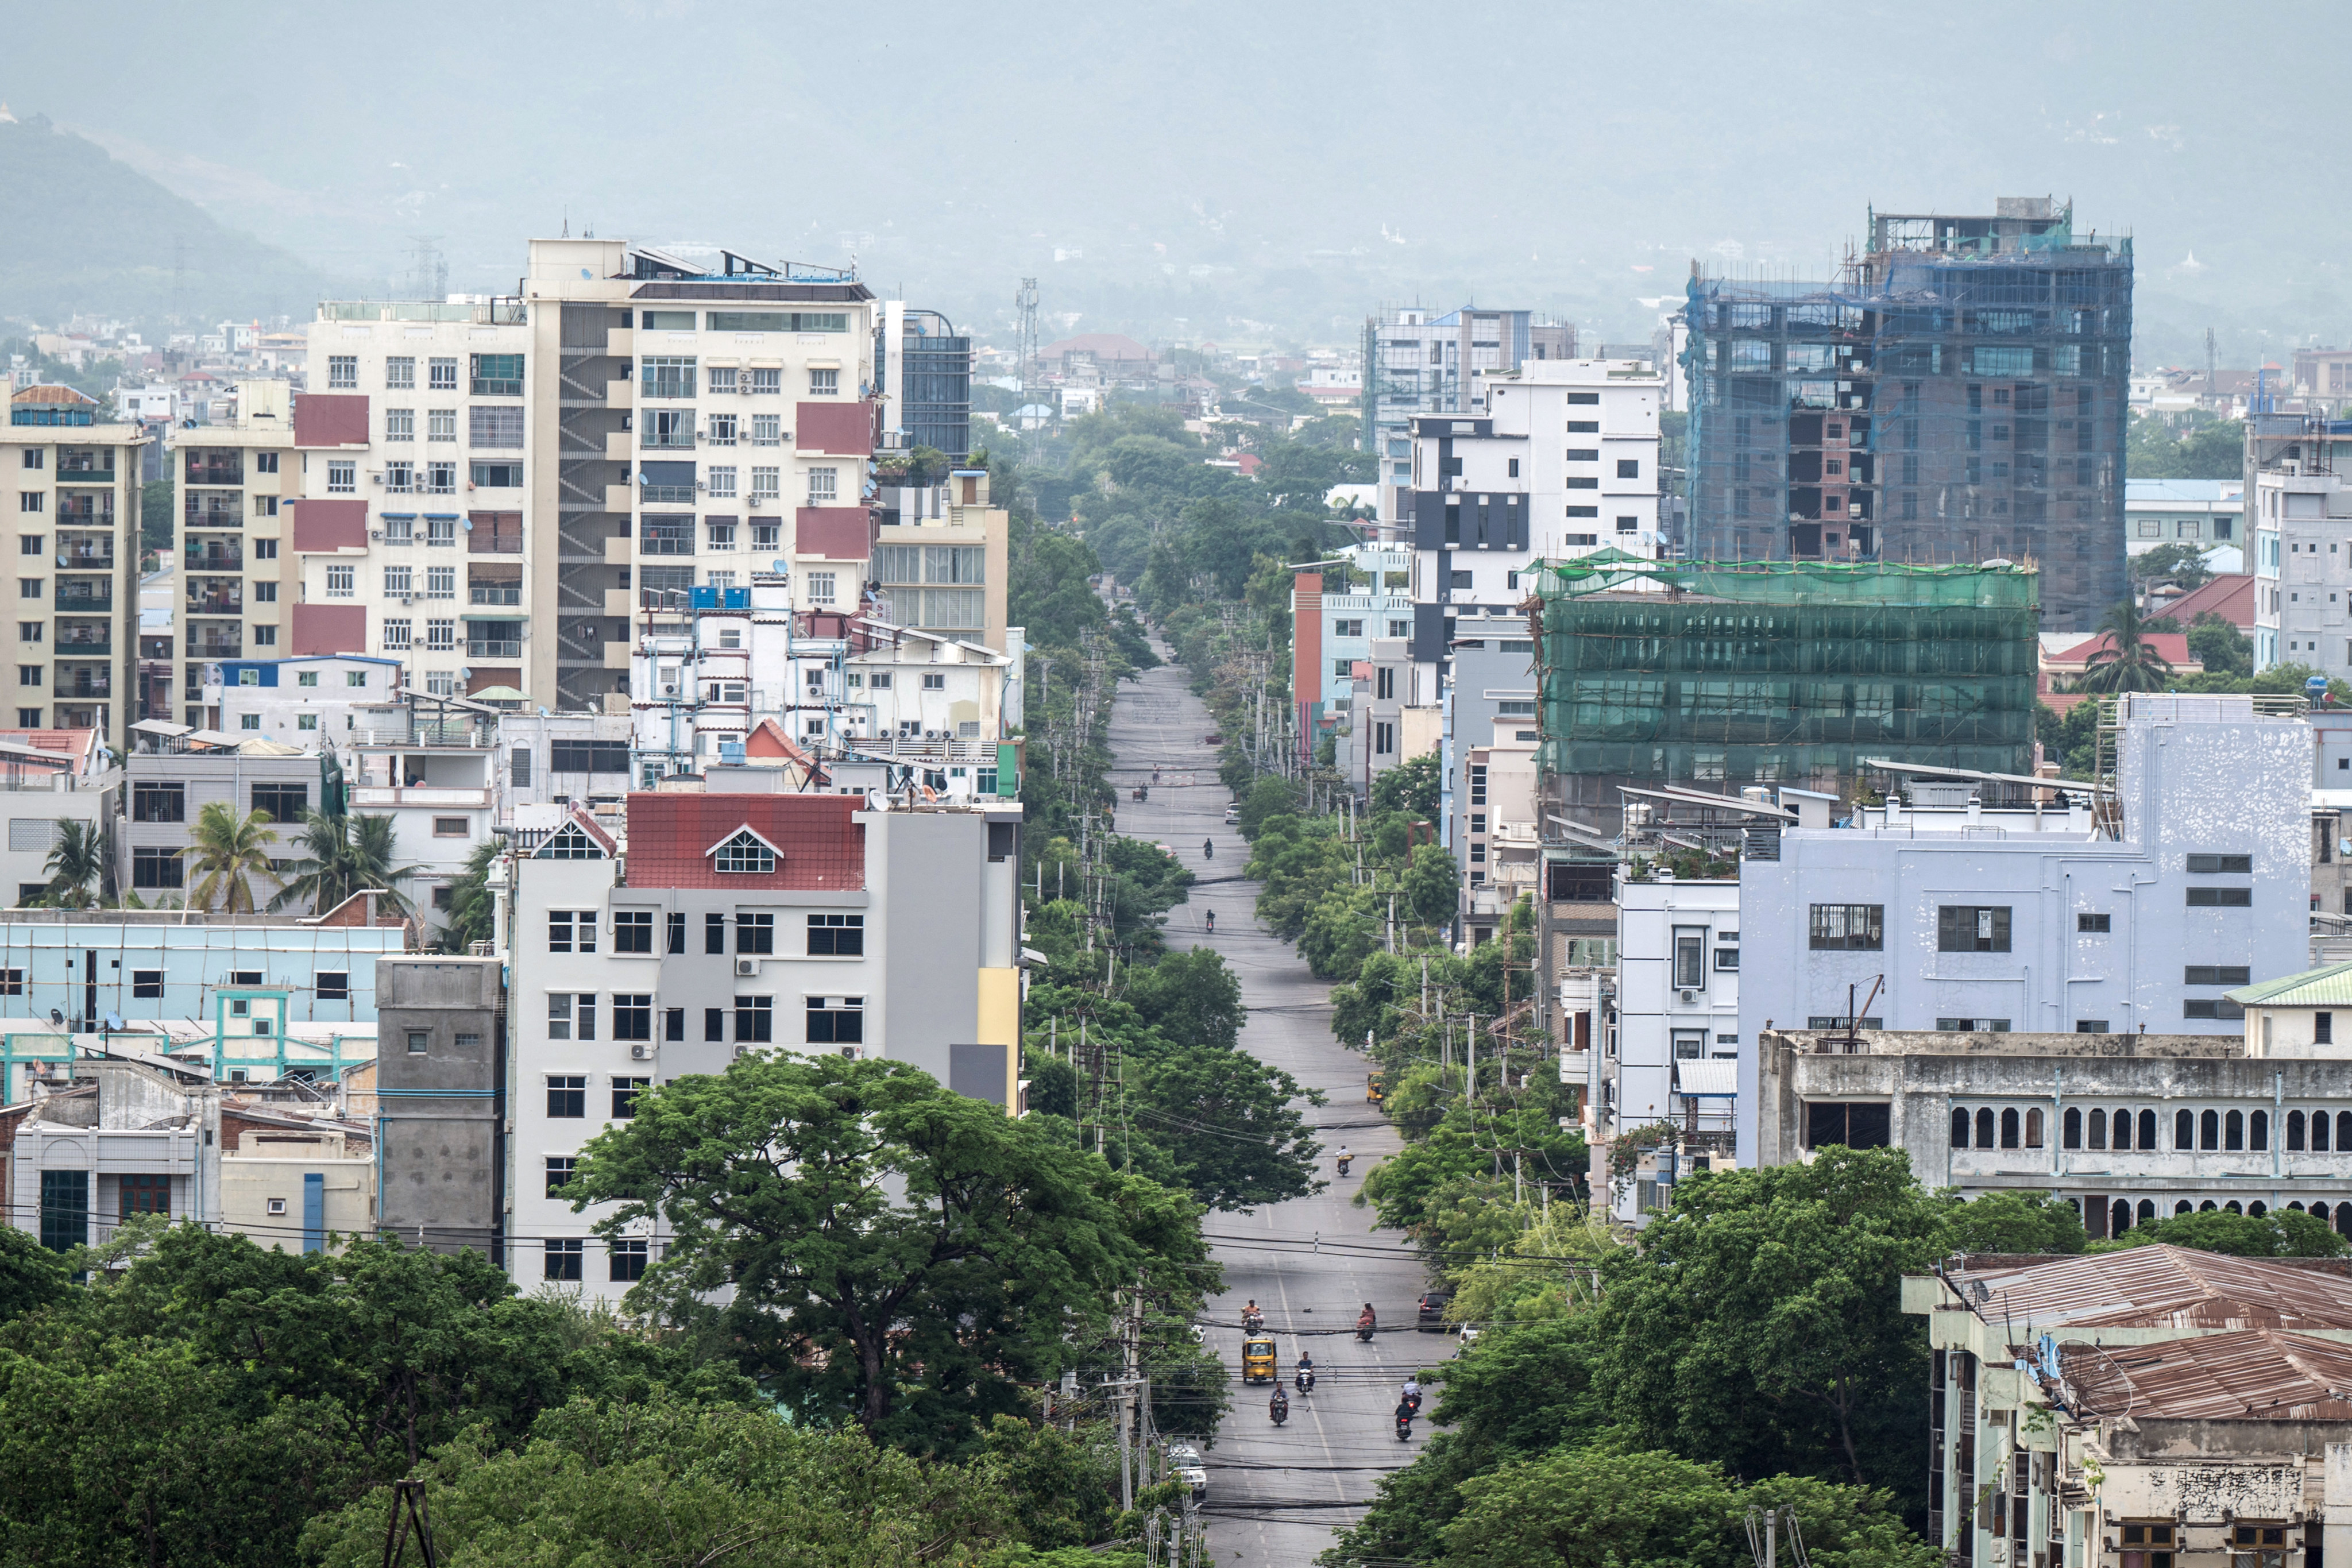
(1026, 304)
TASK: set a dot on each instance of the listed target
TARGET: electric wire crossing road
(1276, 1493)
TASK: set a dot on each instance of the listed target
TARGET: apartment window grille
(495, 425)
(440, 636)
(1847, 927)
(400, 373)
(767, 430)
(721, 483)
(400, 423)
(822, 485)
(1967, 928)
(722, 430)
(766, 382)
(342, 373)
(720, 378)
(825, 384)
(497, 375)
(397, 581)
(341, 582)
(399, 477)
(443, 374)
(441, 582)
(440, 425)
(342, 477)
(395, 636)
(767, 484)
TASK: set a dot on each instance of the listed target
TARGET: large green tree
(891, 1252)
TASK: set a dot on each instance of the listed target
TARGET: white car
(1233, 815)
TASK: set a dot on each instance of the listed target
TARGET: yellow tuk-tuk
(1372, 1094)
(1257, 1360)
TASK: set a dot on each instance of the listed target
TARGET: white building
(299, 701)
(1418, 362)
(2302, 569)
(1673, 1055)
(1562, 461)
(1965, 916)
(749, 921)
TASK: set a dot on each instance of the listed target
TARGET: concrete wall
(251, 1182)
(439, 1110)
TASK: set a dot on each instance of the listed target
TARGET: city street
(1277, 1494)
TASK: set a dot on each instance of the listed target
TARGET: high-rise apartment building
(74, 472)
(233, 516)
(926, 371)
(493, 491)
(1958, 394)
(1420, 362)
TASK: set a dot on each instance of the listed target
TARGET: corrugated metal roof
(2157, 1287)
(2330, 985)
(1706, 1077)
(2259, 1374)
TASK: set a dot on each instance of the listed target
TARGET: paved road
(1275, 1493)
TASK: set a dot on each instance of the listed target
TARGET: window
(632, 1015)
(559, 1172)
(747, 853)
(2220, 898)
(2100, 923)
(563, 927)
(754, 1019)
(1727, 959)
(267, 636)
(334, 984)
(1690, 957)
(341, 582)
(159, 802)
(400, 373)
(755, 933)
(825, 384)
(564, 1257)
(440, 425)
(144, 983)
(721, 480)
(249, 721)
(441, 374)
(714, 933)
(440, 636)
(567, 1095)
(496, 427)
(283, 802)
(2221, 864)
(663, 375)
(767, 382)
(625, 1094)
(154, 868)
(767, 429)
(395, 636)
(2216, 974)
(342, 477)
(1848, 927)
(767, 484)
(499, 476)
(2137, 1537)
(837, 936)
(722, 537)
(1972, 928)
(2091, 1026)
(836, 1020)
(627, 1255)
(497, 375)
(821, 486)
(65, 1209)
(2323, 1028)
(342, 372)
(820, 587)
(588, 756)
(677, 926)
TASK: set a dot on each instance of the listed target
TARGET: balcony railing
(216, 474)
(85, 604)
(87, 648)
(70, 515)
(212, 517)
(482, 541)
(85, 475)
(86, 559)
(478, 648)
(666, 542)
(216, 560)
(496, 594)
(216, 604)
(83, 688)
(214, 647)
(666, 494)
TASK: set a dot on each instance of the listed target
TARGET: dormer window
(569, 843)
(746, 852)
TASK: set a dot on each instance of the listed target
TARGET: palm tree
(76, 865)
(226, 850)
(347, 855)
(2129, 662)
(472, 905)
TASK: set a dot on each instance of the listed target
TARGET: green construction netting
(1722, 674)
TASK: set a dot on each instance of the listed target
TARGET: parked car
(1233, 813)
(1431, 1319)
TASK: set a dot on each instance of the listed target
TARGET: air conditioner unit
(1689, 997)
(747, 967)
(375, 533)
(641, 1053)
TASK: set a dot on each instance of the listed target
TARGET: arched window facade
(2184, 1206)
(2319, 1125)
(2147, 1210)
(2233, 1206)
(2258, 1130)
(2123, 1130)
(2209, 1131)
(2098, 1130)
(2033, 1127)
(2009, 1128)
(2344, 1130)
(2233, 1131)
(1984, 1129)
(2184, 1130)
(2147, 1129)
(1959, 1128)
(2258, 1209)
(2071, 1128)
(2119, 1217)
(2294, 1132)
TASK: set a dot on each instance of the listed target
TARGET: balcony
(86, 599)
(78, 511)
(482, 541)
(215, 471)
(495, 594)
(477, 647)
(199, 516)
(666, 539)
(215, 560)
(68, 476)
(83, 642)
(86, 559)
(204, 647)
(83, 685)
(217, 602)
(666, 494)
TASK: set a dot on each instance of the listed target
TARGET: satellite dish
(2093, 1382)
(114, 1021)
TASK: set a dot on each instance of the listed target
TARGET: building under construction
(1716, 677)
(1959, 394)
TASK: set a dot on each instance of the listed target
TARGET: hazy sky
(1186, 169)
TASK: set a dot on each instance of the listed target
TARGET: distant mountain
(87, 233)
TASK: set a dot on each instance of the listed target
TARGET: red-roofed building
(2063, 668)
(748, 919)
(2229, 596)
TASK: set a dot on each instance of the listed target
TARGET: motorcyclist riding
(1366, 1321)
(1213, 919)
(1278, 1406)
(1344, 1158)
(1413, 1394)
(1305, 1377)
(1252, 1319)
(1208, 848)
(1403, 1421)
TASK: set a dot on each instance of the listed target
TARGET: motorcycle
(1414, 1400)
(1343, 1162)
(1364, 1327)
(1278, 1407)
(1305, 1378)
(1404, 1428)
(1253, 1322)
(1208, 848)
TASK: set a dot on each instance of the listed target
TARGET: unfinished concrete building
(1957, 393)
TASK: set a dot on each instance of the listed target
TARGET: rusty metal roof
(2157, 1287)
(2259, 1374)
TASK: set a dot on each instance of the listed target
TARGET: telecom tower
(1026, 304)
